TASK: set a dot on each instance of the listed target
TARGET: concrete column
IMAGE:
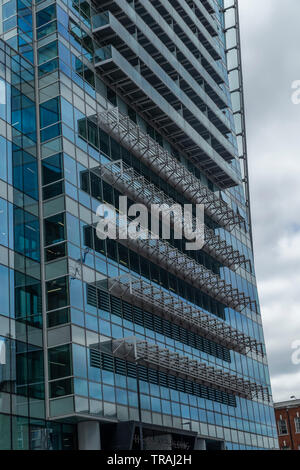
(89, 435)
(200, 444)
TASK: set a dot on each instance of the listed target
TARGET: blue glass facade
(81, 79)
(22, 418)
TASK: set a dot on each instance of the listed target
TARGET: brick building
(288, 424)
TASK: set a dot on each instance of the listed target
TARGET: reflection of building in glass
(2, 353)
(142, 99)
(22, 381)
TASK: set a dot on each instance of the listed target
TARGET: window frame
(280, 433)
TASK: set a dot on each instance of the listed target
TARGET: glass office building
(118, 344)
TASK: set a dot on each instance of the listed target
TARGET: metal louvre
(128, 181)
(165, 304)
(113, 33)
(142, 352)
(129, 134)
(162, 253)
(117, 72)
(176, 7)
(135, 18)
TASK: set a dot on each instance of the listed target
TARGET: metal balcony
(161, 302)
(159, 30)
(130, 135)
(160, 16)
(144, 353)
(110, 31)
(137, 187)
(119, 73)
(165, 255)
(205, 18)
(190, 78)
(185, 18)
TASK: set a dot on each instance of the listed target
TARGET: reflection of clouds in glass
(2, 92)
(2, 352)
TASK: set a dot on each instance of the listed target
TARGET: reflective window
(57, 293)
(59, 362)
(55, 229)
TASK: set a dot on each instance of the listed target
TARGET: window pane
(59, 362)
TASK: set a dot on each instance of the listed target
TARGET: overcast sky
(271, 56)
